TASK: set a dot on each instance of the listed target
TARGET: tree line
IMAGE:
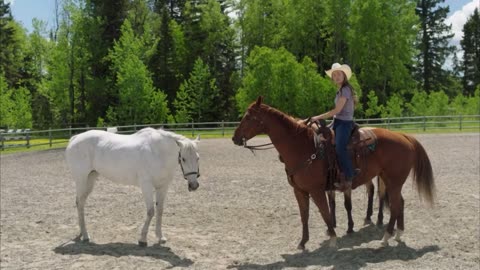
(113, 62)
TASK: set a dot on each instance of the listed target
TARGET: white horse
(146, 159)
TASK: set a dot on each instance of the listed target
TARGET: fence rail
(30, 138)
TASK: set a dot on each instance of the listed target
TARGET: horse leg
(147, 190)
(347, 195)
(400, 224)
(320, 199)
(161, 193)
(395, 207)
(331, 203)
(304, 205)
(84, 187)
(370, 193)
(381, 200)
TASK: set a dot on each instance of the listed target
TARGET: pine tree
(9, 47)
(432, 44)
(471, 57)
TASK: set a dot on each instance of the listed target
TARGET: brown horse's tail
(422, 171)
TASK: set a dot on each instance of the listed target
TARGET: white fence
(31, 138)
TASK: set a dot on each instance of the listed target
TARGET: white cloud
(459, 18)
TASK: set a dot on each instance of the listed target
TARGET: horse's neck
(290, 143)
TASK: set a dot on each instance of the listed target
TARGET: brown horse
(295, 143)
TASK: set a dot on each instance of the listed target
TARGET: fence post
(28, 138)
(135, 127)
(424, 123)
(50, 136)
(69, 131)
(460, 122)
(193, 129)
(223, 128)
(388, 123)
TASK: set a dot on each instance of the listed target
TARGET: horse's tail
(422, 171)
(382, 192)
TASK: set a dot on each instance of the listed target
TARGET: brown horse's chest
(309, 178)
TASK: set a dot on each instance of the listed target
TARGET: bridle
(197, 173)
(252, 148)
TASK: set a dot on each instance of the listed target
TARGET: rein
(252, 148)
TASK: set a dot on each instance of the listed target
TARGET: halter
(183, 172)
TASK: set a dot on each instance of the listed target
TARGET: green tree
(438, 104)
(22, 111)
(304, 32)
(394, 107)
(10, 46)
(15, 107)
(164, 58)
(294, 88)
(137, 95)
(379, 42)
(373, 108)
(432, 44)
(198, 96)
(418, 105)
(471, 57)
(6, 103)
(218, 53)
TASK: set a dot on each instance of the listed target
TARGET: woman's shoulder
(346, 90)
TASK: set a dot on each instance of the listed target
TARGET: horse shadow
(344, 258)
(156, 251)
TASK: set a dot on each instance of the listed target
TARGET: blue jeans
(343, 129)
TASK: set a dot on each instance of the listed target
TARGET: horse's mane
(173, 135)
(289, 122)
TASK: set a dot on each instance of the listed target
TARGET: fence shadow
(156, 251)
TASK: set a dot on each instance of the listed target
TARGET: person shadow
(344, 257)
(157, 251)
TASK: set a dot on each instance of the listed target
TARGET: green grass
(35, 145)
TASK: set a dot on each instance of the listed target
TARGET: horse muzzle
(192, 186)
(238, 141)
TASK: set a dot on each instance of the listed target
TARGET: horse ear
(198, 138)
(259, 100)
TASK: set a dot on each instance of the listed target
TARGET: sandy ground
(243, 216)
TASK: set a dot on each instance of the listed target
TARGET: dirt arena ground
(243, 216)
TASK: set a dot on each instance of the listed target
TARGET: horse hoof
(384, 243)
(379, 224)
(350, 231)
(86, 240)
(142, 244)
(301, 246)
(367, 222)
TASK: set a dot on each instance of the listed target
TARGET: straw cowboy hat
(336, 66)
